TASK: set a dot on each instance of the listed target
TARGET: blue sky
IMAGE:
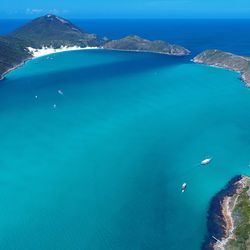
(127, 8)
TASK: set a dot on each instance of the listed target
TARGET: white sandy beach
(44, 51)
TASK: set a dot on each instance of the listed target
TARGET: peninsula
(229, 217)
(50, 34)
(136, 43)
(226, 60)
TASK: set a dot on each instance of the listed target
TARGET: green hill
(12, 53)
(54, 31)
(51, 30)
(136, 43)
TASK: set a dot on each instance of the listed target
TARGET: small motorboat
(54, 106)
(60, 92)
(206, 161)
(183, 187)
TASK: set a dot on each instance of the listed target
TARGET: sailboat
(60, 92)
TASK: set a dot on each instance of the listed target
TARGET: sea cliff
(228, 219)
(226, 60)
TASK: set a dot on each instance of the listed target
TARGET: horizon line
(135, 18)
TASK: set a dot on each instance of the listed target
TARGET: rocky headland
(226, 60)
(53, 34)
(228, 219)
(138, 44)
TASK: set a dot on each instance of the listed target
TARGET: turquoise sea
(104, 169)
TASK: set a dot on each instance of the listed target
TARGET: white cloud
(33, 11)
(37, 11)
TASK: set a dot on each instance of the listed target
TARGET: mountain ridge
(136, 43)
(51, 31)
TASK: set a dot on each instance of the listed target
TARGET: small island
(226, 60)
(229, 217)
(138, 44)
(50, 34)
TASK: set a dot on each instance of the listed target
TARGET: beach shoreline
(3, 75)
(44, 51)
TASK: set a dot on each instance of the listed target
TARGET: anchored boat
(206, 161)
(183, 187)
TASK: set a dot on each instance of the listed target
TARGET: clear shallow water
(104, 170)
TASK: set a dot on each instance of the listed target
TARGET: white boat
(183, 187)
(60, 92)
(206, 161)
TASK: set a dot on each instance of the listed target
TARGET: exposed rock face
(229, 217)
(226, 60)
(136, 43)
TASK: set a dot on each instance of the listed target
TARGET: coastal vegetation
(12, 53)
(241, 217)
(136, 43)
(53, 32)
(226, 60)
(229, 217)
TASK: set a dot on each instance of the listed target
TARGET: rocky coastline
(135, 43)
(226, 60)
(226, 217)
(56, 33)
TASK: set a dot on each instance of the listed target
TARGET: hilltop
(52, 32)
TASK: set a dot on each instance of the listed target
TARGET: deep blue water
(104, 169)
(196, 35)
